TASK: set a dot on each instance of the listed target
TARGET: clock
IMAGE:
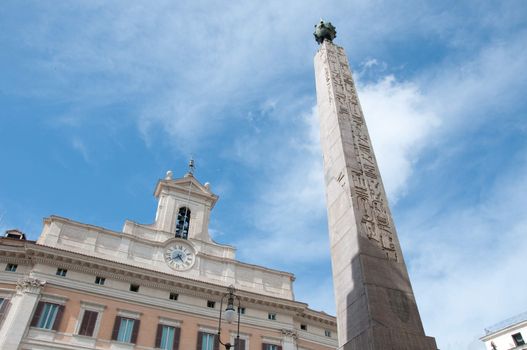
(179, 256)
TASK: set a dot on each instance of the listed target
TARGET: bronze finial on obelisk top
(324, 31)
(376, 307)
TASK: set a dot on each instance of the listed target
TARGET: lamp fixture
(230, 316)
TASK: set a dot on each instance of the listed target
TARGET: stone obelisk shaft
(376, 308)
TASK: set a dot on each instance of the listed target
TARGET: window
(125, 329)
(61, 272)
(211, 304)
(207, 341)
(4, 304)
(89, 319)
(239, 344)
(183, 222)
(271, 347)
(11, 267)
(100, 280)
(303, 327)
(167, 337)
(241, 310)
(327, 333)
(271, 316)
(134, 288)
(47, 316)
(518, 339)
(173, 296)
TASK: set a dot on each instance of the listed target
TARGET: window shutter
(84, 323)
(279, 347)
(264, 346)
(159, 335)
(216, 342)
(177, 334)
(239, 344)
(116, 326)
(58, 317)
(91, 318)
(36, 315)
(200, 341)
(135, 330)
(88, 323)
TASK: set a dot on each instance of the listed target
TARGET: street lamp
(230, 315)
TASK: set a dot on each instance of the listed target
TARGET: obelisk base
(380, 338)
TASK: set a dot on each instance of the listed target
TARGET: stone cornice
(251, 266)
(317, 316)
(504, 330)
(34, 253)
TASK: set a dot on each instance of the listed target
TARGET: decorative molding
(157, 279)
(6, 293)
(243, 335)
(129, 314)
(117, 345)
(207, 329)
(89, 305)
(289, 333)
(54, 298)
(170, 322)
(317, 338)
(42, 334)
(150, 301)
(29, 285)
(83, 340)
(270, 340)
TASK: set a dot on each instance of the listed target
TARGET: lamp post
(230, 315)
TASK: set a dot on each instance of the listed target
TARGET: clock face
(179, 256)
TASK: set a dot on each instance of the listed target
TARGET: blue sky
(100, 98)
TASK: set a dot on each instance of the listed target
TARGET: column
(288, 339)
(19, 315)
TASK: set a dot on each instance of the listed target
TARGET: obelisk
(376, 308)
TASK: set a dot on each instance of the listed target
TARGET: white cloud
(399, 122)
(468, 262)
(80, 147)
(290, 206)
(370, 63)
(485, 85)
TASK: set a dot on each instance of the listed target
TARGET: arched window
(183, 222)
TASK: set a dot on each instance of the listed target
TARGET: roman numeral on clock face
(179, 256)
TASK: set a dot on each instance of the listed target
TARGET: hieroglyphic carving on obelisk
(376, 308)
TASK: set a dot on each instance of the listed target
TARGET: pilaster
(289, 338)
(22, 306)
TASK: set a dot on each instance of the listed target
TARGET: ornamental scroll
(366, 188)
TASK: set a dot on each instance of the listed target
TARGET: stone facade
(376, 308)
(72, 287)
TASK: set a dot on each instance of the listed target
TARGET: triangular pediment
(186, 185)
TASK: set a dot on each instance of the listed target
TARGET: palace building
(157, 286)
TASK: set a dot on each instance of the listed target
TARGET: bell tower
(376, 307)
(184, 207)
